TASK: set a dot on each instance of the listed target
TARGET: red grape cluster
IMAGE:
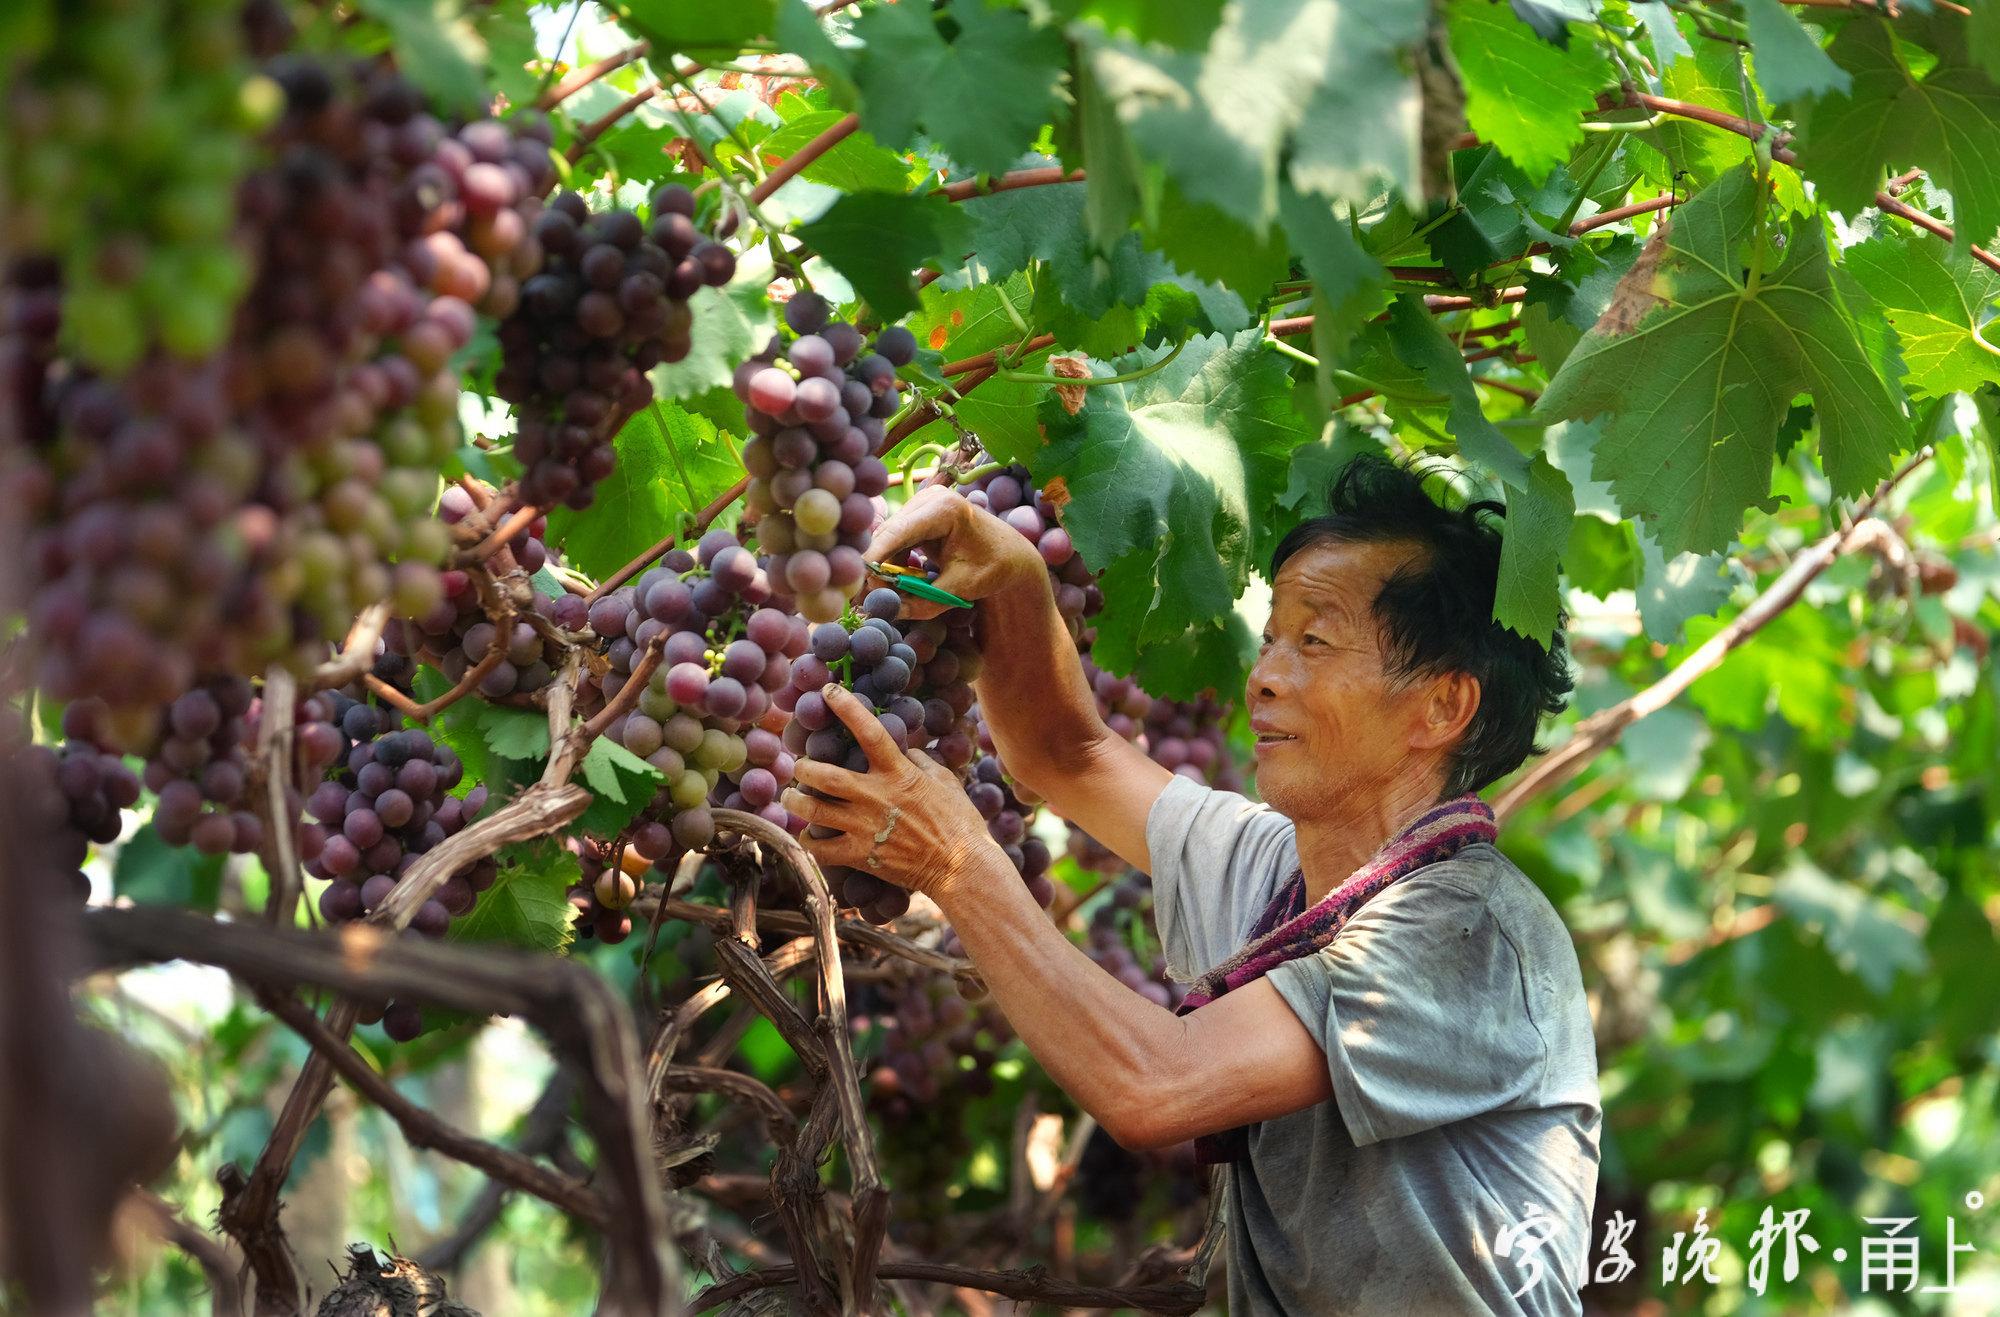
(724, 655)
(925, 1026)
(74, 793)
(600, 898)
(610, 303)
(386, 802)
(217, 515)
(816, 409)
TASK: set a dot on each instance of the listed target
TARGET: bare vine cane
(871, 1199)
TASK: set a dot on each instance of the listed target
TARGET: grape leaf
(528, 903)
(1696, 367)
(1868, 936)
(1669, 43)
(1182, 24)
(513, 733)
(877, 239)
(464, 726)
(671, 464)
(1982, 33)
(1551, 18)
(621, 784)
(440, 50)
(856, 163)
(1671, 592)
(1790, 64)
(1348, 283)
(1318, 90)
(1168, 473)
(1522, 94)
(1934, 300)
(1540, 506)
(982, 96)
(697, 25)
(730, 325)
(1948, 124)
(1708, 78)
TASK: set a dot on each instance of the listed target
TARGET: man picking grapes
(1387, 1035)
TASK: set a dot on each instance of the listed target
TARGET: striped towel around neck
(1286, 930)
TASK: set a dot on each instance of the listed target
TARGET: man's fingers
(930, 767)
(843, 849)
(830, 778)
(826, 813)
(872, 737)
(928, 516)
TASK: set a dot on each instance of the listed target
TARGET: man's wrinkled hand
(978, 555)
(906, 820)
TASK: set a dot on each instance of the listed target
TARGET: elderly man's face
(1332, 728)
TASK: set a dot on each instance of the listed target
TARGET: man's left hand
(906, 820)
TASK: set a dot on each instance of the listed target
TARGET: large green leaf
(151, 872)
(1102, 303)
(1936, 301)
(1167, 475)
(1540, 506)
(856, 163)
(1522, 94)
(698, 25)
(441, 50)
(982, 96)
(1790, 64)
(878, 239)
(671, 464)
(730, 325)
(528, 904)
(1696, 363)
(1947, 123)
(1318, 88)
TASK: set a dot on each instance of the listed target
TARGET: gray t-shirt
(1464, 1074)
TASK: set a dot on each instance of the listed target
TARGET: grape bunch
(704, 718)
(200, 766)
(1191, 738)
(1009, 821)
(457, 633)
(816, 408)
(1010, 494)
(188, 517)
(871, 659)
(609, 304)
(603, 893)
(127, 132)
(386, 802)
(75, 793)
(924, 1026)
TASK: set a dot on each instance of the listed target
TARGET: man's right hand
(977, 554)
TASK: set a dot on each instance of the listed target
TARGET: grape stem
(804, 157)
(423, 713)
(628, 694)
(275, 772)
(357, 652)
(517, 521)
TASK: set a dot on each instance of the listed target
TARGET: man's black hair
(1437, 612)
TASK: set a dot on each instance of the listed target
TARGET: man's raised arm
(1032, 692)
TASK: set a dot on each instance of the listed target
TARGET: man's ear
(1450, 703)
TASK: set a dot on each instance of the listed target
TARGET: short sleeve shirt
(1455, 1168)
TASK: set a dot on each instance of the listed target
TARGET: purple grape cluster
(1124, 914)
(386, 801)
(816, 408)
(456, 633)
(200, 766)
(1010, 494)
(869, 657)
(923, 1026)
(74, 793)
(609, 304)
(705, 717)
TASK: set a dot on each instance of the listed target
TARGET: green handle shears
(914, 584)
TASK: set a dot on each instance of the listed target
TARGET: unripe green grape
(689, 790)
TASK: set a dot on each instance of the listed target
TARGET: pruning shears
(916, 584)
